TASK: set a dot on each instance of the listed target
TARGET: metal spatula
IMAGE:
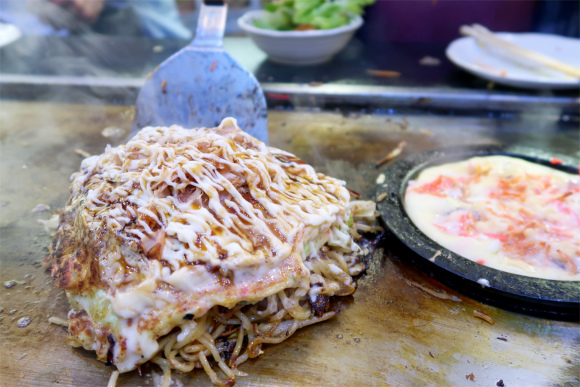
(202, 84)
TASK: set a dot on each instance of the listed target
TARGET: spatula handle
(211, 24)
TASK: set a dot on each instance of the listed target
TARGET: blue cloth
(158, 18)
(16, 13)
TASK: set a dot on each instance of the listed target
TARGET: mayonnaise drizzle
(179, 202)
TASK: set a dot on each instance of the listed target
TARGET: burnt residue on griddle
(370, 242)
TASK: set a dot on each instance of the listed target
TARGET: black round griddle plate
(556, 299)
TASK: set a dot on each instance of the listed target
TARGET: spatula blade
(198, 87)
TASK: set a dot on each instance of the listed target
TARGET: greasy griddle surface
(399, 328)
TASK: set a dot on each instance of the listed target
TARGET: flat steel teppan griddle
(556, 299)
(400, 327)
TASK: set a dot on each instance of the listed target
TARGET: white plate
(491, 65)
(8, 34)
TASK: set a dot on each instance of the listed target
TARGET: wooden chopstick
(485, 36)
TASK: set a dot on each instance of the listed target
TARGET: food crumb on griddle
(381, 197)
(9, 284)
(438, 253)
(112, 131)
(470, 377)
(443, 295)
(567, 360)
(23, 322)
(82, 152)
(392, 154)
(41, 208)
(483, 316)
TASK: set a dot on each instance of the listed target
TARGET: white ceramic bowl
(299, 47)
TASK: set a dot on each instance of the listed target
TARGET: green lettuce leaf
(280, 19)
(284, 15)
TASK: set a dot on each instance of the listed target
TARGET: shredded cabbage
(364, 210)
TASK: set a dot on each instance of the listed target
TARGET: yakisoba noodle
(193, 248)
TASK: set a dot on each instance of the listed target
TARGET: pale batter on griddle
(502, 212)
